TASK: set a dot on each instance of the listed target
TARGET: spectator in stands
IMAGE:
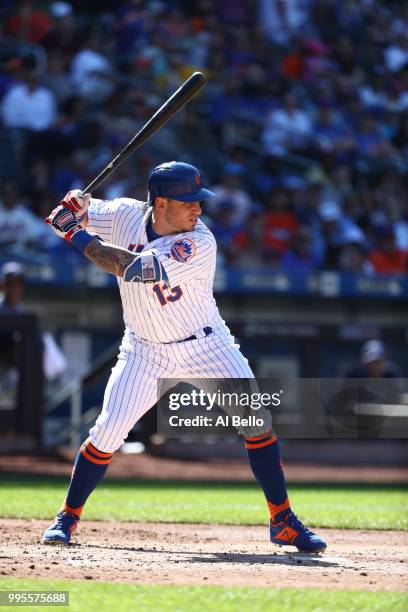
(381, 385)
(370, 141)
(373, 362)
(198, 146)
(92, 73)
(249, 241)
(65, 36)
(330, 234)
(227, 229)
(331, 136)
(12, 286)
(287, 129)
(396, 54)
(282, 19)
(353, 254)
(11, 293)
(398, 215)
(131, 27)
(337, 184)
(387, 258)
(18, 225)
(223, 105)
(40, 189)
(230, 191)
(299, 259)
(28, 21)
(372, 93)
(57, 79)
(29, 105)
(373, 367)
(281, 221)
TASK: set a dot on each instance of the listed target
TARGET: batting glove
(65, 225)
(77, 201)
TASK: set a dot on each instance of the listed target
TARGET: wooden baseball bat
(188, 90)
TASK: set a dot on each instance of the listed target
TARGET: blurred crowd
(302, 127)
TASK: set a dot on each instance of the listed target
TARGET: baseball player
(164, 257)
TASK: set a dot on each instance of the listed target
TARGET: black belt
(206, 330)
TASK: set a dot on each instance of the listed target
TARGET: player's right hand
(77, 201)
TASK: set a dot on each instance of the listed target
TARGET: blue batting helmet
(178, 181)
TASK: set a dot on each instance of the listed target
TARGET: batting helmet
(178, 181)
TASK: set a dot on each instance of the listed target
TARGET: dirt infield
(205, 554)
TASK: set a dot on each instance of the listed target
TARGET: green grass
(358, 506)
(102, 596)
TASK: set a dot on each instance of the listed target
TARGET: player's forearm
(142, 268)
(108, 257)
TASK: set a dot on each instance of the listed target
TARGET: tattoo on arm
(108, 257)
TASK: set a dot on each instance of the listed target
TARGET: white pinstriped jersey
(156, 312)
(157, 317)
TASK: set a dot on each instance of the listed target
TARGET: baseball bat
(188, 90)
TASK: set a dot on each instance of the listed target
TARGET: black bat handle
(180, 97)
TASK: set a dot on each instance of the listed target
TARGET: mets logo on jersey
(182, 249)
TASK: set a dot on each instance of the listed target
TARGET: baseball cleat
(61, 531)
(292, 532)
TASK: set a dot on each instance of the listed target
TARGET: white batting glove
(77, 201)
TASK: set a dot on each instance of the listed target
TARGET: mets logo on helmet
(182, 249)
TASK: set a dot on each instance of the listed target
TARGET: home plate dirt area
(205, 554)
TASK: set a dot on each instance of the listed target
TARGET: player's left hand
(77, 201)
(63, 222)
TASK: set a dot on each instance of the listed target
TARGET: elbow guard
(145, 268)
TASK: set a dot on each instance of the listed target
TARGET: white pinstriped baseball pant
(132, 387)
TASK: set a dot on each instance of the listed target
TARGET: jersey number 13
(165, 294)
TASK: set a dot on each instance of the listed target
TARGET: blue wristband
(81, 239)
